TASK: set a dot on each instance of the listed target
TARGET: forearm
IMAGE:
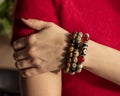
(45, 84)
(103, 61)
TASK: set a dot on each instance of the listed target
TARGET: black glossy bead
(83, 51)
(71, 44)
(72, 69)
(73, 41)
(85, 44)
(77, 46)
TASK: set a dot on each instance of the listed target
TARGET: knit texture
(100, 18)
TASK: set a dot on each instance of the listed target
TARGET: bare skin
(103, 66)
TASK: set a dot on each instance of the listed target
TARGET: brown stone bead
(68, 65)
(69, 60)
(71, 49)
(74, 35)
(70, 54)
(67, 69)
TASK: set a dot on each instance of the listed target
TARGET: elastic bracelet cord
(76, 52)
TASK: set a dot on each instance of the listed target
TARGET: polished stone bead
(74, 65)
(77, 45)
(69, 60)
(67, 69)
(72, 73)
(80, 66)
(78, 70)
(85, 37)
(79, 36)
(71, 49)
(76, 53)
(81, 59)
(75, 59)
(70, 54)
(85, 45)
(83, 51)
(71, 44)
(72, 41)
(74, 35)
(69, 65)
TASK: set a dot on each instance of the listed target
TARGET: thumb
(35, 24)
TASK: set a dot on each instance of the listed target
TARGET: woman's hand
(42, 51)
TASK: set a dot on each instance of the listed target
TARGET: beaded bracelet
(76, 52)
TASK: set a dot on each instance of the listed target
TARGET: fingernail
(23, 19)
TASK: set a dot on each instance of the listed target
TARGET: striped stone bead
(83, 51)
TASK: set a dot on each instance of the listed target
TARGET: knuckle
(37, 62)
(32, 51)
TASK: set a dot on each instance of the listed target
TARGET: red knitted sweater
(100, 18)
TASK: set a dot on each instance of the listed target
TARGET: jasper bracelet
(77, 48)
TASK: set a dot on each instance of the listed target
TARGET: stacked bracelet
(76, 52)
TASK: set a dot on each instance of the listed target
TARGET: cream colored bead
(74, 65)
(80, 34)
(76, 53)
(79, 68)
(75, 59)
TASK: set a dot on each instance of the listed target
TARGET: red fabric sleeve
(38, 9)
